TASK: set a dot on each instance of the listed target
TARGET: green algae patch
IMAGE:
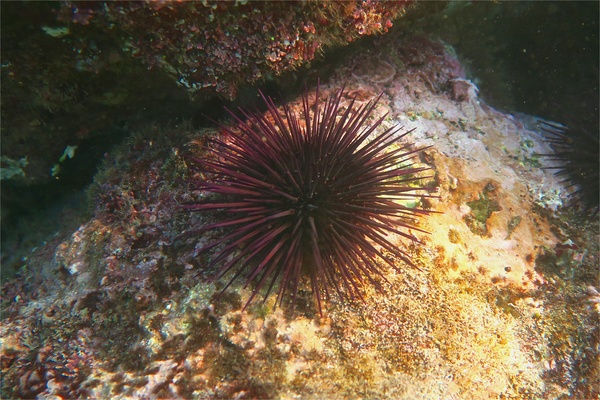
(481, 211)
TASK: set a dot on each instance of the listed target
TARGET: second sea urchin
(312, 194)
(578, 167)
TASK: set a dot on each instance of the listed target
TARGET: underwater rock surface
(504, 303)
(75, 73)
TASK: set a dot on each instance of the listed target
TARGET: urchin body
(313, 195)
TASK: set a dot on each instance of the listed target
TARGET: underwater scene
(300, 200)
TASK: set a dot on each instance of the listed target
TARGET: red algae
(219, 45)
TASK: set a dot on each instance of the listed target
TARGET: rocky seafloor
(503, 304)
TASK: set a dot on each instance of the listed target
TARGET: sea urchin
(314, 195)
(576, 156)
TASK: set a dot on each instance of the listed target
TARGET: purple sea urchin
(312, 196)
(576, 153)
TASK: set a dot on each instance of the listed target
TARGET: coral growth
(220, 45)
